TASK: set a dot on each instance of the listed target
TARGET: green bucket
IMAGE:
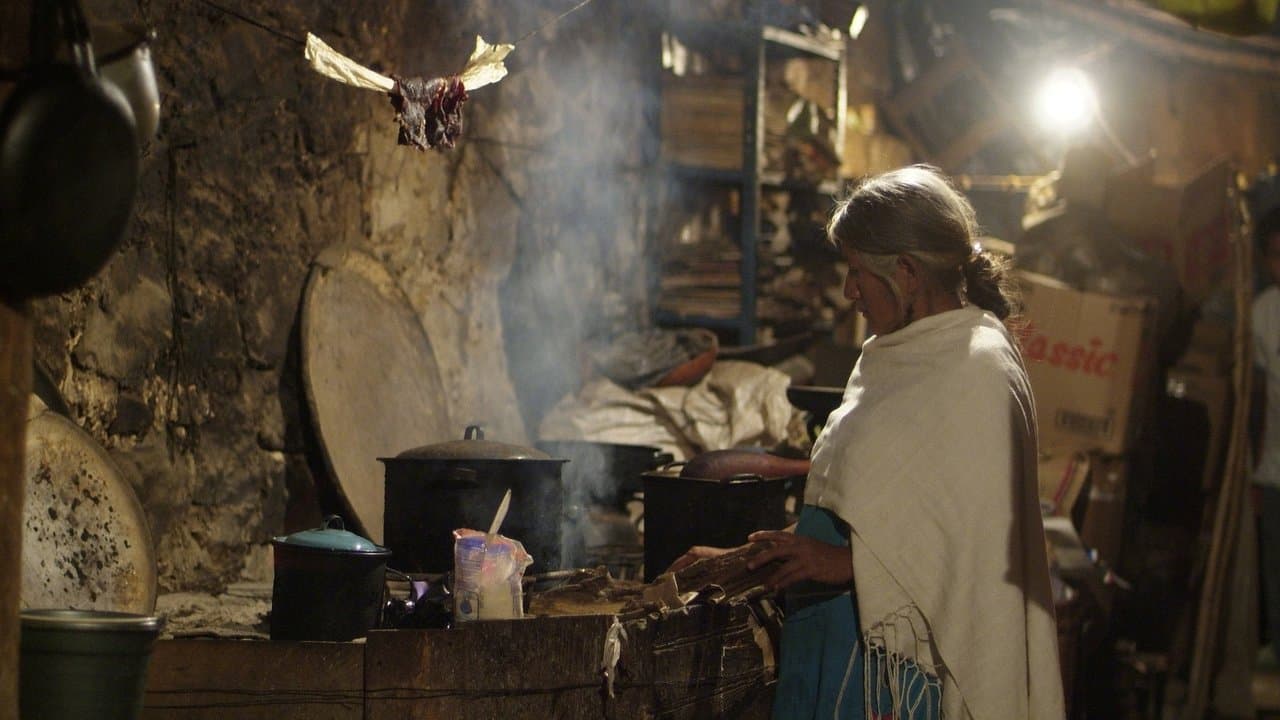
(84, 664)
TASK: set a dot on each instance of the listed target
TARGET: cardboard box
(1089, 357)
(1186, 222)
(1061, 478)
(870, 154)
(1214, 393)
(1211, 348)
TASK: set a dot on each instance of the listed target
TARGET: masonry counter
(704, 660)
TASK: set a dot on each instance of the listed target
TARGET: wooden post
(15, 19)
(15, 391)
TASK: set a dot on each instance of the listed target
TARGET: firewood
(727, 572)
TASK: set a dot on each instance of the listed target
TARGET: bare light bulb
(1066, 102)
(858, 22)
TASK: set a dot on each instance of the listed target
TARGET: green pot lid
(332, 536)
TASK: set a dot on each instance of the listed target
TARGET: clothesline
(299, 41)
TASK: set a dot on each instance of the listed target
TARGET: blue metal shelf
(756, 41)
(729, 176)
(722, 34)
(829, 49)
(708, 174)
(665, 317)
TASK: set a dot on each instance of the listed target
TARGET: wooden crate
(205, 678)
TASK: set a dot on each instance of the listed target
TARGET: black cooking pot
(328, 584)
(820, 401)
(435, 489)
(680, 512)
(604, 473)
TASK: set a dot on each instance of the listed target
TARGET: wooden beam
(207, 679)
(15, 391)
(15, 19)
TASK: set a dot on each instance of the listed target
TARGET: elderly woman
(916, 579)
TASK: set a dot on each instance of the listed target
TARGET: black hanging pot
(328, 584)
(435, 489)
(68, 162)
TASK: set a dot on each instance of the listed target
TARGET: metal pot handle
(742, 477)
(61, 20)
(399, 575)
(473, 432)
(333, 522)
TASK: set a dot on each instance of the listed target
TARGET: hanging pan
(68, 162)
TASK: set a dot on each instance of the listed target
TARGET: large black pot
(435, 489)
(819, 400)
(680, 512)
(328, 584)
(601, 473)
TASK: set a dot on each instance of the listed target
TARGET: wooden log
(15, 391)
(207, 679)
(545, 667)
(728, 573)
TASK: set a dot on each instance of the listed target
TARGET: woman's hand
(696, 553)
(803, 558)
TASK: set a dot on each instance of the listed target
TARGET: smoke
(571, 135)
(583, 95)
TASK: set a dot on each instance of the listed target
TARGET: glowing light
(858, 22)
(1066, 102)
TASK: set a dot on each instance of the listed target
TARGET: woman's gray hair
(916, 212)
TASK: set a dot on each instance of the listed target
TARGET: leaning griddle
(372, 383)
(85, 540)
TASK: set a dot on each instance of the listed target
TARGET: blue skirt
(823, 668)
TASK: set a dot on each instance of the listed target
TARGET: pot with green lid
(80, 664)
(328, 584)
(435, 489)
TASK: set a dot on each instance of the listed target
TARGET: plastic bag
(488, 574)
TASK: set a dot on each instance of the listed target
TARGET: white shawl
(931, 460)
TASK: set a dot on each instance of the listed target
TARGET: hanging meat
(429, 110)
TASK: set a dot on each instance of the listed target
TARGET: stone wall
(181, 356)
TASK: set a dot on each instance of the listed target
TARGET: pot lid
(473, 446)
(332, 536)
